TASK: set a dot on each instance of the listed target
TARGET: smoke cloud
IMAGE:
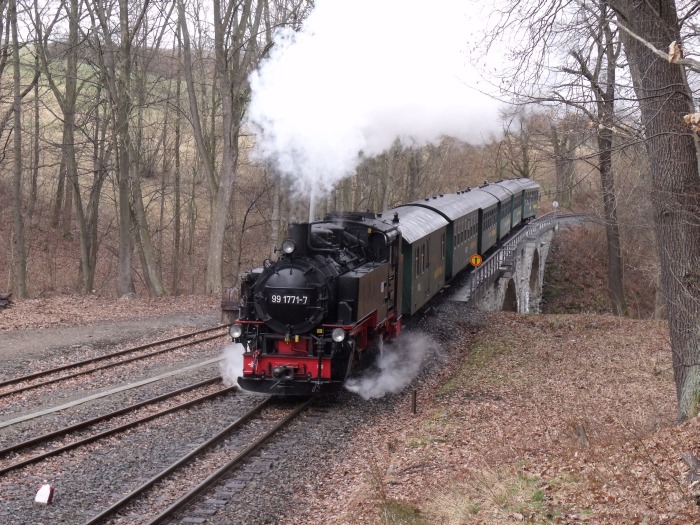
(232, 366)
(362, 74)
(397, 366)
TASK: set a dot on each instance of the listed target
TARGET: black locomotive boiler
(343, 282)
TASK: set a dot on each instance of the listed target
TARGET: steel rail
(222, 471)
(34, 375)
(104, 417)
(108, 365)
(212, 441)
(120, 428)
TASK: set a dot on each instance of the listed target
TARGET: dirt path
(43, 341)
(43, 327)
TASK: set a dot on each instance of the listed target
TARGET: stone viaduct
(511, 279)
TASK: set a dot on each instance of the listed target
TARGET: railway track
(48, 438)
(242, 438)
(48, 377)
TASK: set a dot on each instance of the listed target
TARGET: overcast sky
(362, 73)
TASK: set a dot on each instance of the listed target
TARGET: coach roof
(415, 222)
(456, 205)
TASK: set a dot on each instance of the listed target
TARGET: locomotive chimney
(299, 233)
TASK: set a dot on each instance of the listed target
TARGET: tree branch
(693, 64)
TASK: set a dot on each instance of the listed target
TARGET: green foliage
(395, 512)
(482, 354)
(512, 493)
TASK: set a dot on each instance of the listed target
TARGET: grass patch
(395, 512)
(423, 441)
(391, 511)
(434, 429)
(482, 355)
(500, 495)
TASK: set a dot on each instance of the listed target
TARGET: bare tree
(239, 43)
(603, 55)
(18, 93)
(522, 140)
(66, 94)
(664, 100)
(20, 250)
(116, 60)
(143, 158)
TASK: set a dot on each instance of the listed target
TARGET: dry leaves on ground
(544, 419)
(79, 310)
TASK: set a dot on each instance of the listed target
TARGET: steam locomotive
(342, 283)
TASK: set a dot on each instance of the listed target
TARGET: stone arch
(534, 286)
(510, 301)
(535, 274)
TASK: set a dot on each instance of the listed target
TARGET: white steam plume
(398, 365)
(232, 366)
(361, 74)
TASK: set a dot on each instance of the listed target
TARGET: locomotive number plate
(289, 299)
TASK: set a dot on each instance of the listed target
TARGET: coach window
(417, 259)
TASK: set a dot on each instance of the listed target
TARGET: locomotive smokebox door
(230, 305)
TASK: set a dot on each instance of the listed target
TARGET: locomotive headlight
(288, 246)
(338, 335)
(235, 331)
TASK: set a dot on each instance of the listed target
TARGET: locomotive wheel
(367, 358)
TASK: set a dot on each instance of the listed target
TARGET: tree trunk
(275, 220)
(664, 100)
(563, 165)
(71, 174)
(412, 175)
(175, 287)
(192, 218)
(37, 147)
(603, 85)
(99, 168)
(612, 228)
(20, 251)
(58, 202)
(121, 101)
(148, 261)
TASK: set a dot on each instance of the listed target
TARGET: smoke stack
(299, 233)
